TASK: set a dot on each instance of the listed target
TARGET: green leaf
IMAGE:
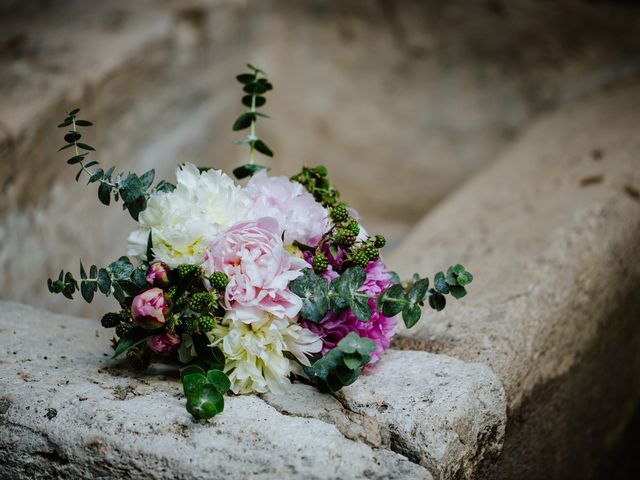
(256, 69)
(346, 286)
(121, 269)
(457, 291)
(418, 291)
(206, 402)
(72, 137)
(97, 175)
(248, 170)
(192, 369)
(83, 274)
(90, 164)
(262, 148)
(245, 78)
(352, 343)
(147, 179)
(76, 159)
(83, 123)
(212, 357)
(66, 122)
(93, 271)
(74, 111)
(139, 277)
(165, 187)
(87, 291)
(457, 269)
(135, 337)
(313, 290)
(395, 278)
(440, 283)
(256, 88)
(66, 146)
(465, 278)
(84, 146)
(104, 194)
(392, 300)
(411, 314)
(259, 101)
(104, 281)
(261, 114)
(191, 382)
(150, 256)
(243, 121)
(219, 379)
(360, 308)
(131, 188)
(437, 301)
(136, 207)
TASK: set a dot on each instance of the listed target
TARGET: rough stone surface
(442, 98)
(551, 234)
(67, 409)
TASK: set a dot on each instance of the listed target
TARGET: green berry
(182, 303)
(139, 358)
(189, 271)
(345, 238)
(110, 320)
(360, 259)
(191, 325)
(379, 241)
(123, 329)
(354, 227)
(200, 301)
(339, 213)
(371, 252)
(170, 293)
(219, 280)
(320, 262)
(205, 323)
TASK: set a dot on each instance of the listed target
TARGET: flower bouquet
(247, 287)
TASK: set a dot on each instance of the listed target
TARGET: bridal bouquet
(248, 287)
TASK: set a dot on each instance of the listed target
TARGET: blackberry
(320, 262)
(339, 213)
(371, 252)
(360, 259)
(354, 227)
(219, 280)
(170, 293)
(379, 241)
(110, 320)
(191, 325)
(345, 238)
(205, 323)
(201, 301)
(123, 329)
(189, 271)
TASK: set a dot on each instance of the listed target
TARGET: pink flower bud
(149, 308)
(158, 274)
(165, 344)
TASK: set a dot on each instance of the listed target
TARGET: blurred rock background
(402, 101)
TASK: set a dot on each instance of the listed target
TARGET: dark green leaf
(147, 179)
(392, 300)
(219, 379)
(352, 343)
(150, 255)
(256, 69)
(131, 188)
(97, 175)
(118, 293)
(66, 146)
(245, 78)
(457, 291)
(72, 137)
(91, 164)
(360, 308)
(192, 369)
(411, 314)
(93, 272)
(104, 193)
(67, 121)
(256, 88)
(248, 170)
(83, 123)
(121, 269)
(440, 283)
(262, 148)
(86, 289)
(74, 111)
(104, 281)
(261, 114)
(313, 290)
(212, 357)
(418, 291)
(191, 382)
(137, 206)
(346, 285)
(395, 278)
(437, 301)
(259, 101)
(84, 146)
(83, 274)
(139, 277)
(165, 187)
(464, 278)
(457, 269)
(243, 121)
(206, 402)
(135, 337)
(76, 159)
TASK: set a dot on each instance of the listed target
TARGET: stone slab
(66, 408)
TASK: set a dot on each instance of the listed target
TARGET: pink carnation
(380, 329)
(258, 266)
(149, 308)
(300, 217)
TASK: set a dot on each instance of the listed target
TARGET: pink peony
(166, 343)
(258, 266)
(300, 217)
(380, 329)
(158, 274)
(149, 308)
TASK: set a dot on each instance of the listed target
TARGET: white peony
(183, 222)
(254, 343)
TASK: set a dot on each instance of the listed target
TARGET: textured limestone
(67, 409)
(551, 234)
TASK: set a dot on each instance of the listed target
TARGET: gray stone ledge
(67, 409)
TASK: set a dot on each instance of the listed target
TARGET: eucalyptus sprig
(134, 190)
(255, 85)
(319, 296)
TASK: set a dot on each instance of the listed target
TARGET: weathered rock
(67, 409)
(551, 234)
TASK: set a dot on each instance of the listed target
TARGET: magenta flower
(380, 329)
(165, 343)
(150, 308)
(158, 274)
(258, 267)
